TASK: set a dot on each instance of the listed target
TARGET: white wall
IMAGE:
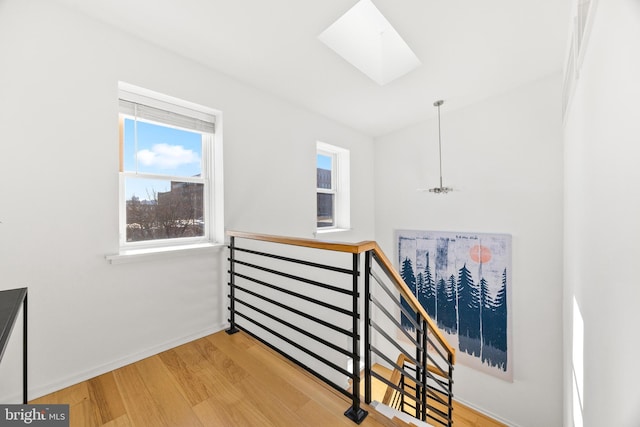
(58, 202)
(504, 158)
(59, 191)
(602, 222)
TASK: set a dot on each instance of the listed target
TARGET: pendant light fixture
(441, 189)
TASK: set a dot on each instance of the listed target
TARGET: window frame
(210, 175)
(331, 191)
(340, 183)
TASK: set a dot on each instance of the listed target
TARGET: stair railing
(422, 372)
(302, 298)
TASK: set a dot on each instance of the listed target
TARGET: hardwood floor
(218, 380)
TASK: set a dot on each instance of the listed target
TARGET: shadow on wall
(578, 365)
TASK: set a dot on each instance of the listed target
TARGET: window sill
(330, 230)
(134, 255)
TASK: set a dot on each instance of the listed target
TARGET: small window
(326, 190)
(167, 165)
(332, 187)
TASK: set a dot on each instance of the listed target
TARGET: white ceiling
(469, 49)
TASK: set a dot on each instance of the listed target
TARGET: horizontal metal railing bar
(397, 302)
(356, 248)
(393, 342)
(296, 261)
(429, 374)
(441, 383)
(296, 311)
(415, 413)
(296, 278)
(399, 326)
(440, 397)
(392, 385)
(411, 406)
(297, 362)
(444, 423)
(384, 263)
(296, 328)
(443, 394)
(398, 392)
(296, 345)
(295, 294)
(435, 369)
(437, 395)
(438, 411)
(412, 388)
(437, 349)
(411, 368)
(436, 365)
(421, 331)
(396, 366)
(432, 392)
(393, 320)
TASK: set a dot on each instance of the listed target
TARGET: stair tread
(401, 423)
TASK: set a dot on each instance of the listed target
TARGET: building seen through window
(169, 214)
(325, 190)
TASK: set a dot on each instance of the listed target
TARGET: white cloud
(167, 156)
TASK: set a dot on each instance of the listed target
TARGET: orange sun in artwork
(480, 253)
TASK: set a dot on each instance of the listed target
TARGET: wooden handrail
(357, 248)
(353, 248)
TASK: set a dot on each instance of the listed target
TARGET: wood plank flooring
(219, 380)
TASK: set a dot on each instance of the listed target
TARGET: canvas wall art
(463, 281)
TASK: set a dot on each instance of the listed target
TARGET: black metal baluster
(425, 346)
(419, 347)
(450, 381)
(232, 288)
(25, 384)
(355, 413)
(403, 391)
(367, 327)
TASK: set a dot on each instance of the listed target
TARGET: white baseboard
(42, 390)
(487, 413)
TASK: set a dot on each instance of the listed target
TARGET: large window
(332, 188)
(167, 164)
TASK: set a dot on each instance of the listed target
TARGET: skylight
(365, 38)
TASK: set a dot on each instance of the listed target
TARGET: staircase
(399, 418)
(332, 308)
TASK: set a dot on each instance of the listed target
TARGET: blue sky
(323, 162)
(160, 150)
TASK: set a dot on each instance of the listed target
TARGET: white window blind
(142, 107)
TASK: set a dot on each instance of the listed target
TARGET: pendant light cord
(441, 189)
(438, 104)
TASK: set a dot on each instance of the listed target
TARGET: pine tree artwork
(463, 281)
(428, 300)
(409, 278)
